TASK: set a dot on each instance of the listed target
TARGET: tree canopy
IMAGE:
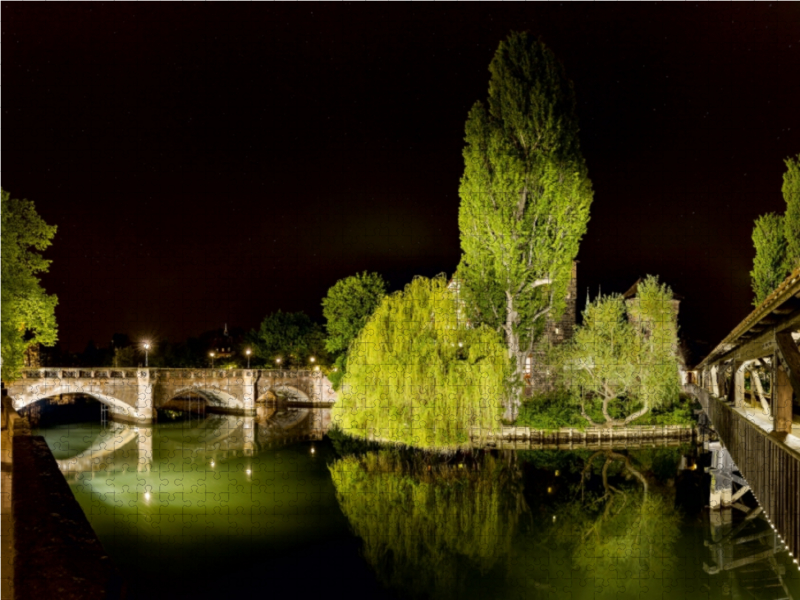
(625, 353)
(525, 197)
(28, 313)
(777, 238)
(417, 376)
(769, 264)
(791, 222)
(291, 337)
(348, 305)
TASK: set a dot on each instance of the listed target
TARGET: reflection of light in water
(554, 518)
(557, 473)
(312, 450)
(549, 490)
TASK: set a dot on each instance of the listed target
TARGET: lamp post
(146, 348)
(278, 362)
(248, 357)
(211, 354)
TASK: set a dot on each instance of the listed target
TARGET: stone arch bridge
(134, 395)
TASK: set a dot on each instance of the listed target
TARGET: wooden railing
(771, 467)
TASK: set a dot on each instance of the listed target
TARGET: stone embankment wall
(55, 552)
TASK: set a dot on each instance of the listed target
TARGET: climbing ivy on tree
(416, 376)
(28, 313)
(525, 197)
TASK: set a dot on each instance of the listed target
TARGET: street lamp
(211, 354)
(248, 357)
(146, 348)
(313, 359)
(278, 361)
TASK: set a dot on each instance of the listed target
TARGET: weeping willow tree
(418, 376)
(626, 353)
(427, 525)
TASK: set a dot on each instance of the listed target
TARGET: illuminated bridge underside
(135, 394)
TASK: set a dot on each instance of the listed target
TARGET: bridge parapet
(133, 394)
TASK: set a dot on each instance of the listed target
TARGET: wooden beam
(761, 346)
(782, 398)
(790, 357)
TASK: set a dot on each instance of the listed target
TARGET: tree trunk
(515, 355)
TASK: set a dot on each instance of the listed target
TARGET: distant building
(224, 345)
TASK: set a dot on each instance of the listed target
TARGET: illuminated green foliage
(28, 313)
(346, 308)
(769, 264)
(791, 222)
(777, 238)
(428, 525)
(525, 197)
(348, 305)
(417, 376)
(625, 352)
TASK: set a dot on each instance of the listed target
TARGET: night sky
(211, 163)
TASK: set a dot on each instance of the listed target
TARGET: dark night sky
(215, 162)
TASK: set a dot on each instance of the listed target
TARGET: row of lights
(248, 352)
(771, 524)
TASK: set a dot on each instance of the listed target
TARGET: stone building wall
(539, 376)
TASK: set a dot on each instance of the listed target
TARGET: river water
(211, 506)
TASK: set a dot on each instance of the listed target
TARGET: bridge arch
(285, 392)
(212, 395)
(117, 406)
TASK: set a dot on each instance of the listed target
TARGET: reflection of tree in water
(620, 531)
(427, 523)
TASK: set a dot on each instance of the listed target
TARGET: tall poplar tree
(777, 238)
(525, 197)
(791, 221)
(769, 264)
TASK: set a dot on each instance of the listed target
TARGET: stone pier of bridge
(134, 395)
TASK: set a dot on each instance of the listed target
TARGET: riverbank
(49, 548)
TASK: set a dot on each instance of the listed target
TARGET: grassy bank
(553, 411)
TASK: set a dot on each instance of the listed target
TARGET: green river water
(216, 506)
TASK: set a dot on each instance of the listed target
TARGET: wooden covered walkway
(749, 386)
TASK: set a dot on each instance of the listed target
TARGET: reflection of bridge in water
(122, 446)
(748, 556)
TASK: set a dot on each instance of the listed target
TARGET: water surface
(201, 507)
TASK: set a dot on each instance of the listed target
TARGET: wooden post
(755, 380)
(783, 399)
(732, 391)
(738, 383)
